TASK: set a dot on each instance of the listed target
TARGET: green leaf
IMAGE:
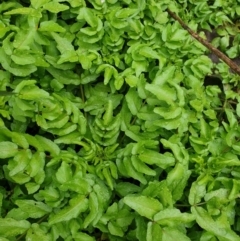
(231, 118)
(13, 68)
(126, 168)
(131, 80)
(33, 93)
(133, 101)
(141, 230)
(83, 236)
(126, 12)
(33, 208)
(7, 149)
(37, 233)
(172, 234)
(141, 166)
(219, 229)
(10, 227)
(88, 15)
(48, 145)
(32, 187)
(64, 76)
(20, 162)
(19, 139)
(163, 93)
(17, 214)
(152, 157)
(8, 48)
(22, 58)
(93, 207)
(37, 163)
(3, 30)
(125, 188)
(168, 112)
(197, 192)
(145, 206)
(171, 217)
(178, 150)
(63, 44)
(115, 230)
(27, 11)
(64, 173)
(76, 206)
(177, 180)
(58, 123)
(55, 7)
(51, 26)
(38, 3)
(163, 77)
(154, 232)
(160, 190)
(178, 35)
(148, 52)
(50, 194)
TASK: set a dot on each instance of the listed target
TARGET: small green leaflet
(149, 52)
(33, 93)
(13, 68)
(145, 206)
(152, 157)
(64, 173)
(88, 15)
(55, 7)
(171, 217)
(37, 232)
(177, 179)
(48, 145)
(20, 161)
(141, 166)
(163, 93)
(141, 230)
(164, 76)
(173, 234)
(38, 3)
(27, 11)
(33, 208)
(51, 26)
(115, 230)
(7, 149)
(10, 227)
(206, 222)
(126, 13)
(133, 101)
(83, 236)
(154, 232)
(22, 58)
(94, 209)
(76, 206)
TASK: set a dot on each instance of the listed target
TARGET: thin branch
(214, 50)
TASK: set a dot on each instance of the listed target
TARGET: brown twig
(214, 50)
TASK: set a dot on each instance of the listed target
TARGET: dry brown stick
(214, 50)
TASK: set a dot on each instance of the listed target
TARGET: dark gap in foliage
(33, 129)
(25, 3)
(213, 80)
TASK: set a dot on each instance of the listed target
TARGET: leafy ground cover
(111, 127)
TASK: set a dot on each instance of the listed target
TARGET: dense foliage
(107, 130)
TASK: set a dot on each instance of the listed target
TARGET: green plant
(107, 131)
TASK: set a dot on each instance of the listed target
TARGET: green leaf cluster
(108, 130)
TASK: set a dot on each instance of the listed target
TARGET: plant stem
(208, 45)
